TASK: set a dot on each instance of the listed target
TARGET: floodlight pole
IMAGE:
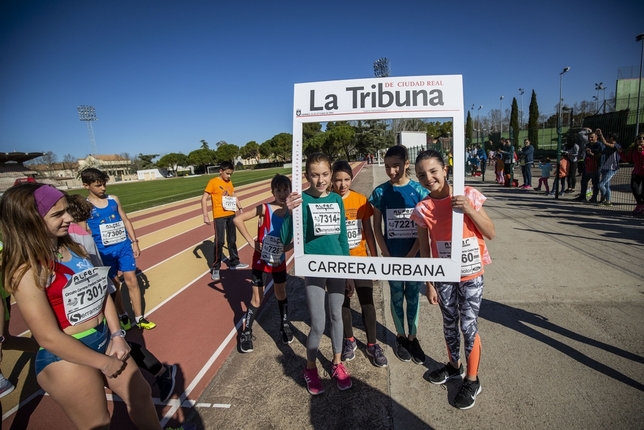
(501, 128)
(478, 122)
(88, 114)
(521, 92)
(559, 130)
(639, 38)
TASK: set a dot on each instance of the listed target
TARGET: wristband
(120, 333)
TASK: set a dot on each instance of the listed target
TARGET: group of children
(353, 224)
(357, 225)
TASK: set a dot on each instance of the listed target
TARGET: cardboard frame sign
(381, 98)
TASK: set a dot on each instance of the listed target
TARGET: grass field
(135, 196)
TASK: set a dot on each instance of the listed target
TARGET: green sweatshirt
(324, 215)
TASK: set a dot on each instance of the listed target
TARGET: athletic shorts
(258, 277)
(95, 338)
(118, 257)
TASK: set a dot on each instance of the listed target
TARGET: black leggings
(364, 289)
(637, 187)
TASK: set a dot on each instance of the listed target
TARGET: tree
(310, 129)
(279, 147)
(202, 158)
(69, 161)
(468, 128)
(221, 142)
(145, 161)
(227, 152)
(514, 121)
(204, 144)
(250, 150)
(341, 139)
(173, 161)
(533, 121)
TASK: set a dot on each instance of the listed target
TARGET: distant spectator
(480, 152)
(573, 154)
(610, 165)
(582, 142)
(508, 157)
(498, 169)
(635, 155)
(562, 173)
(591, 167)
(527, 160)
(546, 167)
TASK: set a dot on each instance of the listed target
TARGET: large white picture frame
(380, 98)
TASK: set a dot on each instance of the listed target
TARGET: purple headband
(46, 197)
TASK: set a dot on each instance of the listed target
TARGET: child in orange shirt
(498, 169)
(562, 174)
(224, 205)
(358, 212)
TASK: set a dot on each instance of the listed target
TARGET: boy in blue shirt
(116, 242)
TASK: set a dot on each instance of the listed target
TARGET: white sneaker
(239, 266)
(214, 274)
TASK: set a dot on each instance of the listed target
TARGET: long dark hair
(27, 242)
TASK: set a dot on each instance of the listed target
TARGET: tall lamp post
(639, 38)
(501, 127)
(478, 120)
(559, 126)
(521, 93)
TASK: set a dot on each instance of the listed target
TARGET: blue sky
(163, 75)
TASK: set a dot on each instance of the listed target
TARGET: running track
(197, 319)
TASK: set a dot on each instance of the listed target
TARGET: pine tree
(468, 129)
(514, 122)
(533, 121)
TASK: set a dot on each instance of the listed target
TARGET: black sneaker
(287, 335)
(417, 353)
(402, 349)
(348, 349)
(466, 398)
(165, 381)
(445, 373)
(246, 341)
(125, 322)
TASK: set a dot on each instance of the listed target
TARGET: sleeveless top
(76, 299)
(107, 226)
(272, 258)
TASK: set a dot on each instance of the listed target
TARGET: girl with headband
(64, 301)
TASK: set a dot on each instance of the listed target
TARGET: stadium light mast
(639, 38)
(381, 68)
(88, 114)
(501, 101)
(559, 124)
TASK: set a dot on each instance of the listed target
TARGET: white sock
(137, 319)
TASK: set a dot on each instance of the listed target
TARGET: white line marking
(210, 362)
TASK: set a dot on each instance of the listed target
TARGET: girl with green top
(325, 233)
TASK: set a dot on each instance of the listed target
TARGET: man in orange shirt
(224, 205)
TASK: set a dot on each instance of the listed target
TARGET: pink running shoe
(313, 383)
(342, 376)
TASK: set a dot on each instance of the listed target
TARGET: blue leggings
(95, 338)
(401, 291)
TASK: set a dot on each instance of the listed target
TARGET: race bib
(113, 233)
(229, 203)
(399, 226)
(326, 218)
(272, 250)
(470, 255)
(84, 294)
(354, 232)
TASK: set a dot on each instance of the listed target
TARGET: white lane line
(210, 362)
